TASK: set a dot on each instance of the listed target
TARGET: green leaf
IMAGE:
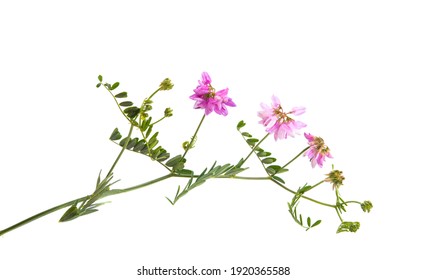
(278, 179)
(240, 125)
(305, 188)
(132, 112)
(126, 103)
(139, 146)
(132, 143)
(269, 160)
(240, 163)
(275, 169)
(316, 223)
(263, 154)
(70, 214)
(115, 135)
(163, 156)
(149, 131)
(186, 172)
(146, 123)
(309, 221)
(121, 95)
(252, 141)
(152, 142)
(179, 166)
(235, 171)
(100, 78)
(123, 141)
(115, 85)
(171, 202)
(246, 134)
(173, 161)
(98, 85)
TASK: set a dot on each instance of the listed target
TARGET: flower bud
(336, 178)
(348, 227)
(166, 84)
(366, 206)
(168, 112)
(185, 145)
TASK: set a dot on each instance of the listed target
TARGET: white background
(357, 66)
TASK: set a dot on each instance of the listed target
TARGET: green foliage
(148, 148)
(132, 112)
(114, 86)
(292, 208)
(176, 163)
(215, 171)
(88, 205)
(121, 95)
(264, 156)
(115, 135)
(126, 103)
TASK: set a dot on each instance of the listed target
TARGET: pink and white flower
(207, 98)
(278, 122)
(317, 151)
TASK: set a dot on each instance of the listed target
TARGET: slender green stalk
(44, 213)
(298, 155)
(116, 191)
(152, 95)
(338, 214)
(194, 137)
(118, 104)
(254, 148)
(303, 196)
(159, 120)
(352, 201)
(78, 200)
(224, 177)
(122, 150)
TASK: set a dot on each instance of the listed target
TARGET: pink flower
(207, 98)
(317, 151)
(277, 121)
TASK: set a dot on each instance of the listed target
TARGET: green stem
(122, 151)
(118, 104)
(194, 136)
(116, 191)
(298, 155)
(159, 120)
(44, 213)
(305, 197)
(338, 214)
(254, 148)
(352, 201)
(78, 200)
(225, 177)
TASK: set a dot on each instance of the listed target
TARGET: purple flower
(277, 121)
(207, 98)
(317, 151)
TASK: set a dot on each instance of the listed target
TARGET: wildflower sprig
(292, 208)
(278, 121)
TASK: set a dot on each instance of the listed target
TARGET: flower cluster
(278, 122)
(317, 151)
(207, 98)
